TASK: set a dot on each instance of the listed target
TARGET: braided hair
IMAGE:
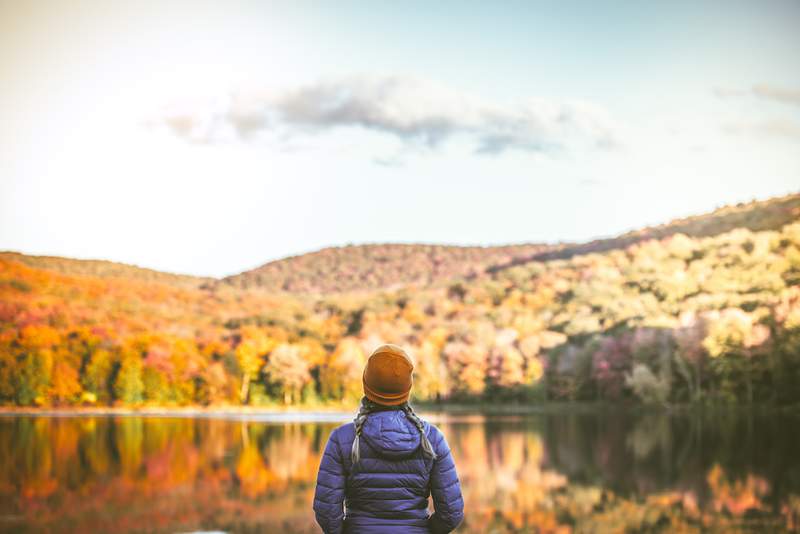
(427, 448)
(366, 407)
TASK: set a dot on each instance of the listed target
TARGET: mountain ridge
(388, 266)
(278, 275)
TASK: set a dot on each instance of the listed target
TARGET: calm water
(604, 472)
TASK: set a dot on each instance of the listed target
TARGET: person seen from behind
(377, 472)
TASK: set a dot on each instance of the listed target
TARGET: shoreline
(346, 411)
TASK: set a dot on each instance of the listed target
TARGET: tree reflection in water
(545, 473)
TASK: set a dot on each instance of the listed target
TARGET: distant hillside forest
(701, 310)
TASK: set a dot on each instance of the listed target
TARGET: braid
(427, 448)
(364, 409)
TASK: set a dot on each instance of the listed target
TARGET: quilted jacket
(387, 490)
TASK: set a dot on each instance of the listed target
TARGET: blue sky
(208, 137)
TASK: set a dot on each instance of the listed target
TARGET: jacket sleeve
(329, 494)
(448, 504)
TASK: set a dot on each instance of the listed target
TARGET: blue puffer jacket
(387, 491)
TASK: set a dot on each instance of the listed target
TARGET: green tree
(128, 386)
(33, 381)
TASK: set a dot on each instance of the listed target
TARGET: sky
(210, 137)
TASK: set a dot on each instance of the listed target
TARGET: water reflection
(545, 473)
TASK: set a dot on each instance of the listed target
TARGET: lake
(587, 471)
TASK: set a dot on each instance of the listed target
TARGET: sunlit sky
(210, 137)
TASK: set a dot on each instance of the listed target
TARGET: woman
(377, 472)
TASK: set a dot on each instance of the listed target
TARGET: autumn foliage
(710, 314)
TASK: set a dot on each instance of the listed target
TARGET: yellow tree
(187, 364)
(288, 370)
(507, 367)
(467, 364)
(733, 341)
(340, 377)
(36, 344)
(430, 373)
(8, 367)
(254, 345)
(534, 370)
(97, 375)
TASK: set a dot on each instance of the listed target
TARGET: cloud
(761, 91)
(416, 111)
(773, 128)
(777, 94)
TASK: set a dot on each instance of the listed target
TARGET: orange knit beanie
(387, 376)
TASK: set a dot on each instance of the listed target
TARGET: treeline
(105, 269)
(374, 267)
(680, 319)
(385, 266)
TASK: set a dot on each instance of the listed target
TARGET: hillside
(706, 309)
(365, 268)
(754, 216)
(371, 267)
(104, 269)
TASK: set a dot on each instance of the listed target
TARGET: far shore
(343, 412)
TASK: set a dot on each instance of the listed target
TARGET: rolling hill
(371, 267)
(702, 309)
(365, 268)
(104, 269)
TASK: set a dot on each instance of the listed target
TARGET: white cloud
(413, 110)
(761, 91)
(777, 94)
(773, 128)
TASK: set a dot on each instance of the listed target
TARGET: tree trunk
(749, 380)
(697, 382)
(245, 392)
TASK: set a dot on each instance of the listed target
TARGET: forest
(702, 310)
